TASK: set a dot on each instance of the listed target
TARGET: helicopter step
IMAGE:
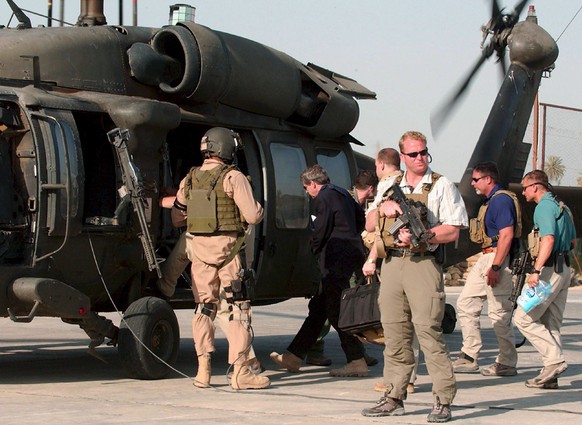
(48, 296)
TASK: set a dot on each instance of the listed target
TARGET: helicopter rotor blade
(495, 9)
(503, 65)
(518, 8)
(438, 119)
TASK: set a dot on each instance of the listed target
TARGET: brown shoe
(287, 360)
(440, 412)
(498, 369)
(465, 364)
(354, 368)
(552, 384)
(386, 406)
(547, 374)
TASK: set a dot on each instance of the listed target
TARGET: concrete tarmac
(47, 377)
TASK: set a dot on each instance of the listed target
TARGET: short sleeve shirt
(551, 220)
(500, 213)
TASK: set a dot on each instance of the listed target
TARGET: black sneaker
(318, 360)
(440, 412)
(386, 406)
(370, 361)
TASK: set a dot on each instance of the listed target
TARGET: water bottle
(531, 297)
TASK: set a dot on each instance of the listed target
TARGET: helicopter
(97, 119)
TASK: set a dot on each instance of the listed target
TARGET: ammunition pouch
(533, 243)
(209, 309)
(476, 231)
(368, 239)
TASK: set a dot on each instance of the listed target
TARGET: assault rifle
(412, 214)
(520, 267)
(132, 191)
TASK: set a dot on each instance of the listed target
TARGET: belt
(557, 258)
(488, 250)
(408, 253)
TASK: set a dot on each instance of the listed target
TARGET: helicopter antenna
(23, 20)
(571, 20)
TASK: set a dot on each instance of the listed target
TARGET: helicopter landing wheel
(153, 322)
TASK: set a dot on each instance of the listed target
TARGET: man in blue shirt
(554, 236)
(495, 229)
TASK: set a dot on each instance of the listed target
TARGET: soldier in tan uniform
(215, 201)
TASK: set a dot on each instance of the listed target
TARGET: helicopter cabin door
(286, 266)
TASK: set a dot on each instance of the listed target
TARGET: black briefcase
(359, 310)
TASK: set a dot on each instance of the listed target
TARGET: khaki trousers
(470, 305)
(206, 253)
(412, 300)
(541, 326)
(173, 267)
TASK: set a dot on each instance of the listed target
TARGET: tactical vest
(477, 225)
(384, 239)
(534, 239)
(209, 209)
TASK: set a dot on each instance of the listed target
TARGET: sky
(413, 54)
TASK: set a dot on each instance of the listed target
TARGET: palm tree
(554, 168)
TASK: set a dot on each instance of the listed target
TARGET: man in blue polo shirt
(496, 228)
(554, 236)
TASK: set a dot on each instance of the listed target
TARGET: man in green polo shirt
(555, 235)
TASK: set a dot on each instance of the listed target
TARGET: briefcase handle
(369, 278)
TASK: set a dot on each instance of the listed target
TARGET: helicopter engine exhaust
(205, 66)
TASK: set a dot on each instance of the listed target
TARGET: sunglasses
(525, 187)
(423, 152)
(476, 179)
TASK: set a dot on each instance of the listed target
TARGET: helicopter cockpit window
(336, 164)
(291, 205)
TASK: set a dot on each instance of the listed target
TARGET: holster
(557, 261)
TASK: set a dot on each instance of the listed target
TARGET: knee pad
(209, 309)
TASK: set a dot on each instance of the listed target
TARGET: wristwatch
(495, 267)
(371, 261)
(536, 271)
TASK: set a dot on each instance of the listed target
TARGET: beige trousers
(171, 270)
(470, 305)
(541, 326)
(412, 301)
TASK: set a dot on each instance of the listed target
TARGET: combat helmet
(220, 142)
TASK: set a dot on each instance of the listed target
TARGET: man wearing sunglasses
(412, 297)
(496, 228)
(554, 229)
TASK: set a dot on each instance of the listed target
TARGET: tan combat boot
(244, 379)
(202, 379)
(288, 360)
